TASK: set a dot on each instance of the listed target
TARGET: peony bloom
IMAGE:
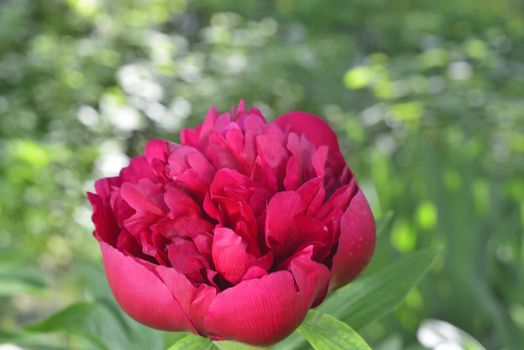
(236, 232)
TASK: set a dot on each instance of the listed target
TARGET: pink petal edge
(141, 293)
(356, 242)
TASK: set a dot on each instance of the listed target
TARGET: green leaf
(17, 279)
(231, 345)
(12, 287)
(384, 223)
(193, 342)
(374, 296)
(325, 332)
(293, 342)
(88, 320)
(102, 326)
(25, 340)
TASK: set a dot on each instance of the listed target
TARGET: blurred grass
(426, 97)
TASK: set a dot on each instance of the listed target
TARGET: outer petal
(356, 242)
(194, 300)
(106, 226)
(266, 310)
(141, 293)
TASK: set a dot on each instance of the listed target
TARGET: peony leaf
(231, 345)
(374, 296)
(384, 223)
(325, 332)
(17, 279)
(193, 342)
(102, 326)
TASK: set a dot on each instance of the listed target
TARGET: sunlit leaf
(193, 342)
(358, 77)
(325, 332)
(231, 345)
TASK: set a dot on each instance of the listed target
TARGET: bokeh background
(427, 98)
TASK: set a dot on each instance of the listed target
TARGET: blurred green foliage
(426, 97)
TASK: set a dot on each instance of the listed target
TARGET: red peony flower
(236, 232)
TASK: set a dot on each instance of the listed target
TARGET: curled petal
(271, 146)
(104, 187)
(179, 202)
(231, 258)
(157, 149)
(106, 228)
(190, 169)
(194, 300)
(318, 160)
(144, 197)
(356, 242)
(314, 128)
(282, 210)
(313, 194)
(141, 293)
(137, 169)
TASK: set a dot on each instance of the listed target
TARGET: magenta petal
(271, 146)
(145, 196)
(311, 277)
(141, 293)
(194, 300)
(293, 177)
(157, 149)
(190, 137)
(254, 272)
(281, 212)
(137, 169)
(231, 258)
(319, 160)
(266, 310)
(229, 254)
(103, 187)
(356, 242)
(314, 128)
(313, 194)
(179, 202)
(106, 228)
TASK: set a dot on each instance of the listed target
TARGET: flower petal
(141, 293)
(356, 242)
(137, 169)
(282, 210)
(194, 300)
(156, 149)
(314, 128)
(264, 311)
(231, 257)
(106, 227)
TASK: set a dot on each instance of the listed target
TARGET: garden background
(426, 97)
